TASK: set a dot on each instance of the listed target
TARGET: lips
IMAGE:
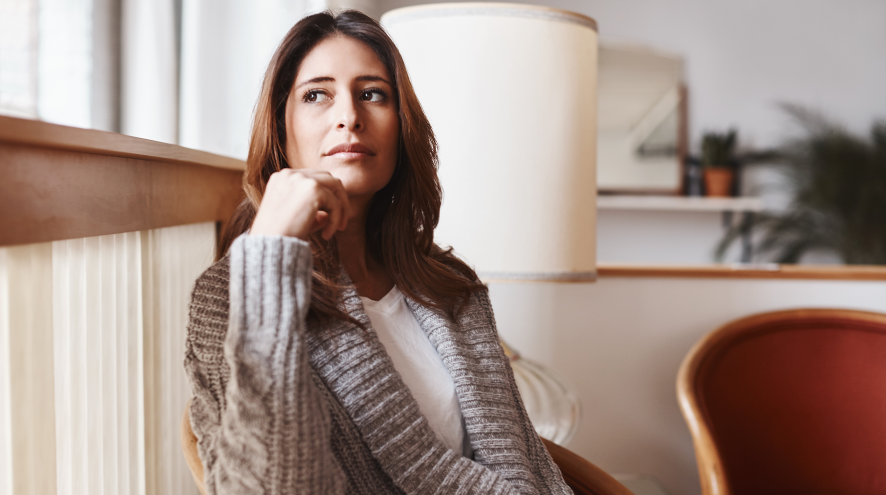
(350, 148)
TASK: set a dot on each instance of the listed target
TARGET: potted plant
(837, 184)
(716, 158)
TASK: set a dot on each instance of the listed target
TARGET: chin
(357, 181)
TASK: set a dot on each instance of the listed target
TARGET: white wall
(620, 341)
(744, 56)
(660, 237)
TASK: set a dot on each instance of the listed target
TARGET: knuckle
(311, 184)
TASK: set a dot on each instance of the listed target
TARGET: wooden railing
(744, 271)
(65, 183)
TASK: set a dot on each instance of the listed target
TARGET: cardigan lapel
(483, 380)
(361, 376)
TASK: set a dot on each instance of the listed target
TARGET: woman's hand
(299, 202)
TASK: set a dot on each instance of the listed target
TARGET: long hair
(402, 215)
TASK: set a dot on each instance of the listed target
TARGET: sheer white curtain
(59, 61)
(149, 65)
(18, 58)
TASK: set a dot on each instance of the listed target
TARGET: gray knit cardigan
(280, 406)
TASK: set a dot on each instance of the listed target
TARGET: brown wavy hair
(402, 215)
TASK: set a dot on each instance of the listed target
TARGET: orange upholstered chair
(791, 402)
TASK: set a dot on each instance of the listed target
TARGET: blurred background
(799, 82)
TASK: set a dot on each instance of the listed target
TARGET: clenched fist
(299, 202)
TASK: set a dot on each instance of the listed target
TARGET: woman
(336, 348)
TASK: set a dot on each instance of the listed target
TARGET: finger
(344, 203)
(330, 203)
(335, 185)
(321, 219)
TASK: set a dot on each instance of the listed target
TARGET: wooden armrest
(582, 476)
(189, 447)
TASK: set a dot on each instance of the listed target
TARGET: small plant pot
(718, 181)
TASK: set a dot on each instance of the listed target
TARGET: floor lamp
(510, 91)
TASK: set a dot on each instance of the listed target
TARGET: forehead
(341, 58)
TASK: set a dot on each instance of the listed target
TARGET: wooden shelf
(740, 270)
(679, 203)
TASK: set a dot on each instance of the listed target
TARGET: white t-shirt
(417, 361)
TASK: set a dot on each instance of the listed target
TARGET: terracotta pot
(718, 181)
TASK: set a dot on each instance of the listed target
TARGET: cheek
(392, 133)
(305, 139)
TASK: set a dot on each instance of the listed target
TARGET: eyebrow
(332, 79)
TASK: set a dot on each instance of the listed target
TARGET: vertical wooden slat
(130, 426)
(148, 356)
(61, 310)
(6, 468)
(27, 428)
(92, 333)
(108, 334)
(175, 258)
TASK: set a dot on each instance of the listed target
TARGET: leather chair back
(789, 402)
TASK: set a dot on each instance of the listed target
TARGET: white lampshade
(510, 91)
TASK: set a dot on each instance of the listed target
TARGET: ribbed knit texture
(283, 407)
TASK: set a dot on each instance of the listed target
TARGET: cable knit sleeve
(261, 422)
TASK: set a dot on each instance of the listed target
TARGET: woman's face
(341, 116)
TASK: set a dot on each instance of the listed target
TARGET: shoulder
(209, 310)
(479, 309)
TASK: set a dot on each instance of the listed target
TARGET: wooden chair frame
(710, 465)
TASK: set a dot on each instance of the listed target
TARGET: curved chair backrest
(789, 402)
(189, 447)
(583, 477)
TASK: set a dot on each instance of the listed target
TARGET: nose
(349, 116)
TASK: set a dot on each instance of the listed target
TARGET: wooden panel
(57, 194)
(809, 272)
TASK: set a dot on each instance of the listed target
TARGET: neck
(369, 276)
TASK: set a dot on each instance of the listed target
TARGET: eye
(315, 96)
(374, 95)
